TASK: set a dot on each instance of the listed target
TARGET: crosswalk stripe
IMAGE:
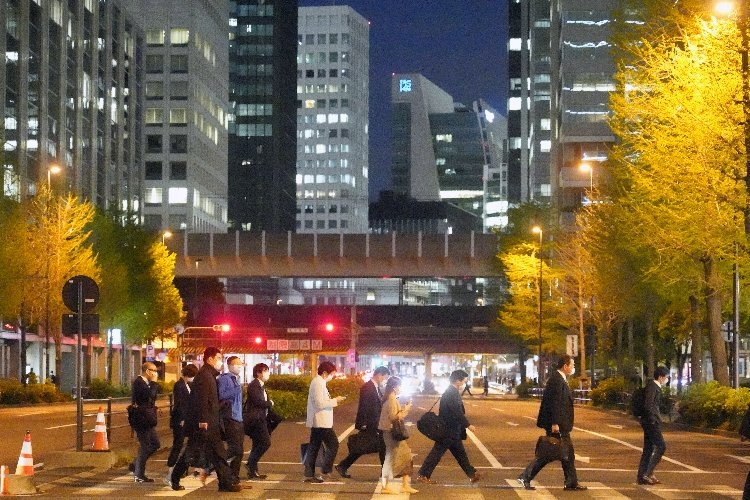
(540, 492)
(600, 490)
(489, 456)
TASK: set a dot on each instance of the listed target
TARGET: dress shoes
(654, 480)
(255, 476)
(342, 472)
(525, 483)
(425, 480)
(143, 479)
(231, 487)
(646, 480)
(475, 477)
(315, 480)
(575, 487)
(177, 486)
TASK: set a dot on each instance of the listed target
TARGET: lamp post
(586, 167)
(165, 234)
(743, 17)
(538, 230)
(53, 169)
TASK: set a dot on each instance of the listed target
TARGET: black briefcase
(549, 448)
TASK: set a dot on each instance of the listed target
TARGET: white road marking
(628, 445)
(346, 433)
(512, 424)
(58, 427)
(583, 459)
(489, 456)
(745, 460)
(615, 426)
(540, 492)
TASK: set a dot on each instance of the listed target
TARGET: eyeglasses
(152, 370)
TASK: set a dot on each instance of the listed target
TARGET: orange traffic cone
(4, 480)
(100, 433)
(25, 465)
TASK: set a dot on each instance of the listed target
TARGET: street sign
(351, 357)
(571, 345)
(150, 353)
(89, 323)
(89, 290)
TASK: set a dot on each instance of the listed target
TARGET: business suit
(205, 408)
(180, 402)
(256, 411)
(653, 441)
(144, 395)
(368, 415)
(453, 414)
(556, 409)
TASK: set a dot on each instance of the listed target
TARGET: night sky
(460, 45)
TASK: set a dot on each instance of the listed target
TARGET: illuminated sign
(404, 85)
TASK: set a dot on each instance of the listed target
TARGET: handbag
(432, 425)
(399, 431)
(551, 448)
(141, 417)
(363, 443)
(273, 420)
(303, 449)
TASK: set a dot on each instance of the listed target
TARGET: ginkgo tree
(678, 168)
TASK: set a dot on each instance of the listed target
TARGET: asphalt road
(607, 444)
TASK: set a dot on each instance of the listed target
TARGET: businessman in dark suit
(556, 417)
(653, 441)
(255, 418)
(180, 404)
(453, 414)
(368, 415)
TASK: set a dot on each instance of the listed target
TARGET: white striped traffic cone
(25, 465)
(4, 480)
(100, 433)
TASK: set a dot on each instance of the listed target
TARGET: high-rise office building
(445, 151)
(71, 96)
(561, 72)
(263, 115)
(529, 125)
(583, 77)
(185, 115)
(332, 120)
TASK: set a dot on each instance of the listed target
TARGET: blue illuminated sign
(404, 85)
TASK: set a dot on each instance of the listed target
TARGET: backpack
(638, 402)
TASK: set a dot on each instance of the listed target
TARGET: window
(333, 38)
(178, 90)
(321, 103)
(154, 90)
(154, 145)
(321, 73)
(310, 73)
(345, 39)
(309, 39)
(154, 63)
(308, 224)
(178, 63)
(153, 170)
(333, 133)
(177, 170)
(322, 39)
(332, 224)
(155, 37)
(179, 36)
(153, 196)
(178, 116)
(178, 144)
(333, 73)
(177, 196)
(333, 57)
(320, 224)
(345, 132)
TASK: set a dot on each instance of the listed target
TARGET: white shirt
(319, 404)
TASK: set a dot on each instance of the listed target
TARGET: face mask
(573, 371)
(329, 378)
(265, 376)
(218, 364)
(235, 369)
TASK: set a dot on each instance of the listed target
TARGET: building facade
(445, 151)
(185, 114)
(332, 120)
(263, 115)
(71, 96)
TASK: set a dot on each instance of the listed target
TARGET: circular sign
(89, 293)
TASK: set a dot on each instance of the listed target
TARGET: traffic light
(329, 327)
(225, 328)
(258, 340)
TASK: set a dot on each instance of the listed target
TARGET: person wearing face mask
(556, 417)
(320, 407)
(180, 404)
(368, 416)
(255, 417)
(206, 422)
(230, 396)
(144, 391)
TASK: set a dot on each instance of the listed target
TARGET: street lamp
(52, 169)
(586, 167)
(166, 234)
(743, 21)
(538, 230)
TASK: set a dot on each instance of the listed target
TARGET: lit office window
(153, 196)
(155, 37)
(178, 196)
(179, 36)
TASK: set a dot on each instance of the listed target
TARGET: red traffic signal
(225, 328)
(329, 327)
(258, 340)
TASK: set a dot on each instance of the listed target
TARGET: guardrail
(581, 396)
(112, 417)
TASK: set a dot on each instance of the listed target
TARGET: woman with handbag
(398, 460)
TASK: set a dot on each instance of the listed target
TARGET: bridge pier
(429, 388)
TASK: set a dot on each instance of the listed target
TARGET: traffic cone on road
(25, 465)
(100, 433)
(4, 480)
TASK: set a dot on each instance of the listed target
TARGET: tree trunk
(648, 360)
(713, 310)
(631, 341)
(696, 337)
(618, 347)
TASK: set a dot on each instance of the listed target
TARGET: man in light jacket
(320, 407)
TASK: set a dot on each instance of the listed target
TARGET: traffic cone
(25, 465)
(4, 480)
(100, 433)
